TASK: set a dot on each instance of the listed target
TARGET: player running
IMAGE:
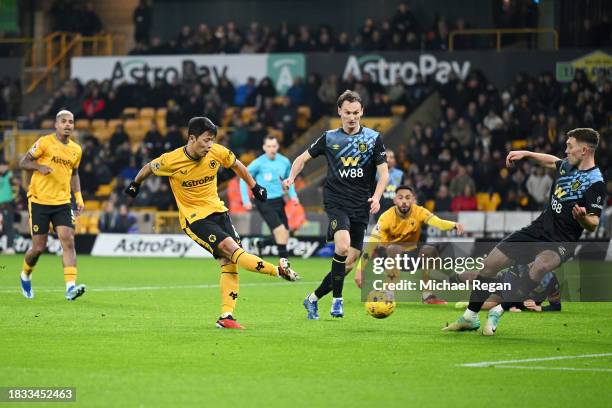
(192, 170)
(54, 160)
(399, 229)
(269, 171)
(576, 203)
(355, 154)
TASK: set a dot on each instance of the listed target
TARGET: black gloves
(260, 193)
(133, 189)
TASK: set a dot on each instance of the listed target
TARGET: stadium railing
(499, 32)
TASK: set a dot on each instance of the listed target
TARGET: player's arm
(259, 192)
(444, 225)
(28, 162)
(291, 192)
(134, 187)
(296, 168)
(588, 216)
(545, 160)
(383, 178)
(253, 169)
(75, 187)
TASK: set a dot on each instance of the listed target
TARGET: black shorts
(273, 212)
(341, 220)
(524, 245)
(41, 215)
(212, 230)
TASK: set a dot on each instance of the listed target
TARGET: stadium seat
(430, 205)
(519, 144)
(494, 202)
(482, 201)
(147, 113)
(398, 110)
(228, 115)
(248, 113)
(130, 112)
(112, 124)
(82, 124)
(160, 113)
(47, 124)
(98, 124)
(131, 125)
(92, 227)
(92, 205)
(103, 135)
(104, 190)
(303, 117)
(82, 222)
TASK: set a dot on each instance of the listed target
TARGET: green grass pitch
(144, 335)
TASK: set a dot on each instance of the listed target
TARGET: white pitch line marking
(606, 370)
(512, 363)
(145, 288)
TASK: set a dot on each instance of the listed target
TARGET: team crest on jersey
(562, 172)
(212, 238)
(576, 185)
(35, 228)
(334, 224)
(213, 164)
(363, 147)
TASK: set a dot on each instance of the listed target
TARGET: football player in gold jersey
(399, 229)
(54, 160)
(192, 170)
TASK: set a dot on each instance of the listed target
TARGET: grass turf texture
(158, 346)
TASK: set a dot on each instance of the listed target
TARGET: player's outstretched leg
(254, 263)
(493, 320)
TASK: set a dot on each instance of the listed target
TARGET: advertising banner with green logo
(282, 68)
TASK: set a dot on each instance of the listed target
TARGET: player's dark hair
(271, 137)
(585, 135)
(199, 124)
(349, 96)
(405, 187)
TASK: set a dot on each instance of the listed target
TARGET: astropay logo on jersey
(387, 72)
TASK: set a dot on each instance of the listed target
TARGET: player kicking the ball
(192, 170)
(354, 156)
(576, 203)
(399, 229)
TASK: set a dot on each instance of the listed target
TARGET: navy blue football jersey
(351, 167)
(572, 186)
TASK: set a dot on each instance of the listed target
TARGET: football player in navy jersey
(355, 155)
(576, 203)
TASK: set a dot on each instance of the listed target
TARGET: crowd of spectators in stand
(192, 97)
(402, 32)
(480, 124)
(75, 17)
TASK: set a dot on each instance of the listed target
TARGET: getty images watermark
(409, 263)
(453, 270)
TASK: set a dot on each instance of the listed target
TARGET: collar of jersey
(59, 141)
(360, 129)
(189, 156)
